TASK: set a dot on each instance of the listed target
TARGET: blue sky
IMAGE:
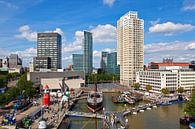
(169, 26)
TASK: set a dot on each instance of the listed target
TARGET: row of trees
(190, 106)
(23, 87)
(102, 77)
(4, 78)
(165, 91)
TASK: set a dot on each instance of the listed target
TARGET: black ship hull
(94, 107)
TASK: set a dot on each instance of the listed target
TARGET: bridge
(83, 114)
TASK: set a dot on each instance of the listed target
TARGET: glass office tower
(88, 52)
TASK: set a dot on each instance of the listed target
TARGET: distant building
(104, 61)
(168, 64)
(49, 53)
(15, 61)
(109, 62)
(1, 63)
(31, 67)
(77, 62)
(192, 65)
(5, 62)
(11, 64)
(130, 47)
(84, 62)
(171, 79)
(53, 79)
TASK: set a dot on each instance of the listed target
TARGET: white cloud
(8, 5)
(27, 53)
(170, 28)
(178, 50)
(104, 34)
(188, 5)
(76, 46)
(108, 2)
(191, 46)
(28, 34)
(101, 34)
(168, 46)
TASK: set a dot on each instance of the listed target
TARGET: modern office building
(77, 62)
(84, 62)
(88, 52)
(130, 47)
(49, 47)
(109, 62)
(104, 61)
(171, 79)
(41, 63)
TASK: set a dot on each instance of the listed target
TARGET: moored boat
(95, 100)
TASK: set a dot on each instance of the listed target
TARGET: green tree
(165, 91)
(136, 86)
(148, 88)
(190, 106)
(3, 81)
(25, 87)
(180, 90)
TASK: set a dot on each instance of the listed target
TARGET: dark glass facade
(77, 62)
(88, 52)
(49, 45)
(109, 62)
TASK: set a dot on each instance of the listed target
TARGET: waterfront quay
(58, 113)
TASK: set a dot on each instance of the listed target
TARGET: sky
(169, 26)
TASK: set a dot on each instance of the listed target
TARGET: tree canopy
(190, 106)
(136, 86)
(102, 77)
(148, 88)
(165, 91)
(180, 90)
(23, 87)
(3, 81)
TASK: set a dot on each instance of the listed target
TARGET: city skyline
(169, 26)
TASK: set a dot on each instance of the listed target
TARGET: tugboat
(95, 100)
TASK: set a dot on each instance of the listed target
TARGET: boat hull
(94, 107)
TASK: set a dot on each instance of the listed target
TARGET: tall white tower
(130, 47)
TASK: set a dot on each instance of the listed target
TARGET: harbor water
(164, 117)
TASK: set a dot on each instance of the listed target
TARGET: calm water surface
(165, 117)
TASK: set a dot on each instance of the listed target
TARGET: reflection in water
(165, 117)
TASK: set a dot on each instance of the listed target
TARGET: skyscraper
(88, 52)
(109, 62)
(85, 60)
(49, 46)
(130, 47)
